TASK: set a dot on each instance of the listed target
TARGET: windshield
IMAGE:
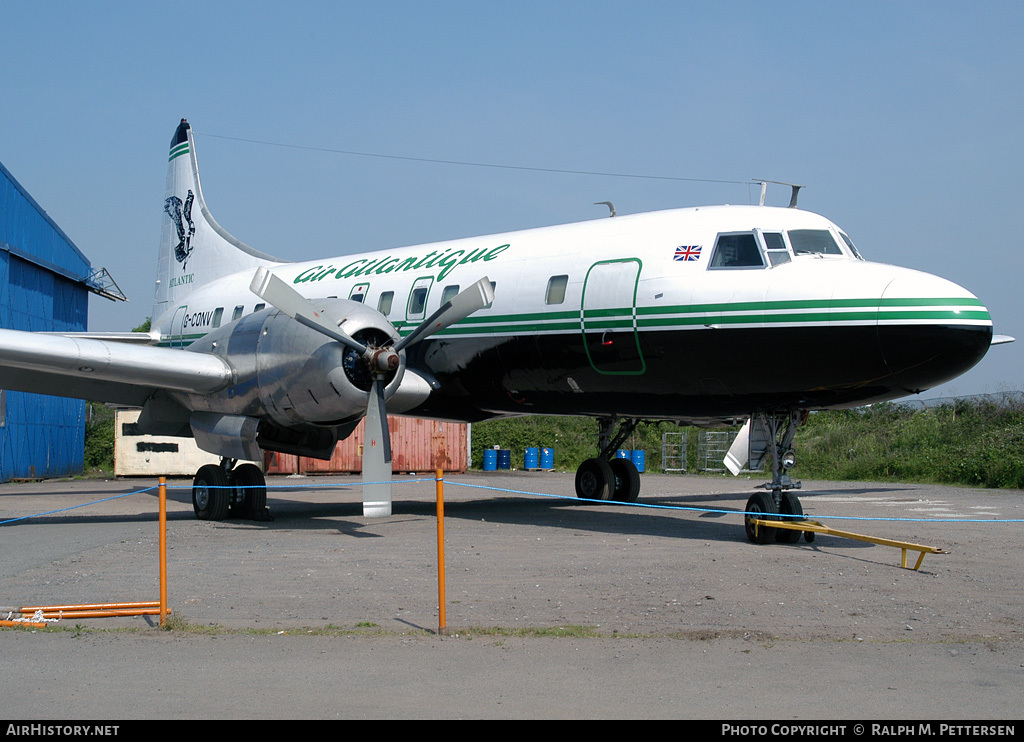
(849, 244)
(820, 241)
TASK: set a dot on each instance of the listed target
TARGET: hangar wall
(42, 288)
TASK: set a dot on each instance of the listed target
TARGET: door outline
(612, 312)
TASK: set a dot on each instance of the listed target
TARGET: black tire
(789, 505)
(210, 493)
(250, 492)
(762, 505)
(626, 478)
(594, 480)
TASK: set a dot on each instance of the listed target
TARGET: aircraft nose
(930, 330)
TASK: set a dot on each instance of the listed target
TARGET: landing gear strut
(223, 490)
(606, 477)
(773, 434)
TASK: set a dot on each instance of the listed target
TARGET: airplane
(705, 315)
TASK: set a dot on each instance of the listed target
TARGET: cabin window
(776, 246)
(385, 302)
(737, 251)
(556, 289)
(813, 241)
(418, 301)
(217, 314)
(259, 307)
(237, 313)
(449, 293)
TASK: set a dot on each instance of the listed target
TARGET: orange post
(442, 627)
(163, 550)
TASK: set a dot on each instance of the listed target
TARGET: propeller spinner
(378, 361)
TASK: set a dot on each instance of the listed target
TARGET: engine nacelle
(294, 375)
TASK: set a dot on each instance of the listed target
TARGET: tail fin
(194, 249)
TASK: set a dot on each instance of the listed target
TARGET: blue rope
(76, 507)
(733, 512)
(651, 506)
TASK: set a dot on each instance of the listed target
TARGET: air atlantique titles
(447, 259)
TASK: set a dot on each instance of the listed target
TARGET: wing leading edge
(103, 371)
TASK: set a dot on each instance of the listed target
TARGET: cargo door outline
(608, 317)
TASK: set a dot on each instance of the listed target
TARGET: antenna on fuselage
(764, 190)
(609, 204)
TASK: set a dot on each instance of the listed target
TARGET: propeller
(379, 361)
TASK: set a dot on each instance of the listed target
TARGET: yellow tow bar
(812, 526)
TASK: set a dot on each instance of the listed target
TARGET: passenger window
(217, 314)
(449, 293)
(813, 241)
(385, 301)
(737, 251)
(556, 290)
(416, 308)
(237, 313)
(418, 301)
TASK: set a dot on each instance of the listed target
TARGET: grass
(965, 443)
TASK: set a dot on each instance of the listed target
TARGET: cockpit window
(737, 251)
(776, 245)
(849, 244)
(808, 241)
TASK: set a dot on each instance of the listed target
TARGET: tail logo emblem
(180, 215)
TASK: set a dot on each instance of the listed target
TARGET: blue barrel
(622, 454)
(531, 458)
(504, 459)
(639, 459)
(490, 459)
(547, 458)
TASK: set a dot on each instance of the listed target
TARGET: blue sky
(902, 118)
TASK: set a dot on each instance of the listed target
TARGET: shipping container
(416, 446)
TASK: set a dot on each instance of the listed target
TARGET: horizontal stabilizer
(131, 338)
(1002, 339)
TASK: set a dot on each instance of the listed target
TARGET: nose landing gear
(773, 434)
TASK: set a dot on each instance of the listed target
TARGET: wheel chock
(810, 527)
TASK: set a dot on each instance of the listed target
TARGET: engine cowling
(294, 375)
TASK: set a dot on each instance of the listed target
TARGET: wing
(103, 371)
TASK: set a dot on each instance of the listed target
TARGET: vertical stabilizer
(194, 249)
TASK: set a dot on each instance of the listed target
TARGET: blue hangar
(44, 285)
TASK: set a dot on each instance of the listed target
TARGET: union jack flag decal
(687, 252)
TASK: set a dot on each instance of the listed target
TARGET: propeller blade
(477, 296)
(376, 457)
(280, 295)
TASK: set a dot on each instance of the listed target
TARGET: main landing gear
(224, 490)
(606, 477)
(773, 434)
